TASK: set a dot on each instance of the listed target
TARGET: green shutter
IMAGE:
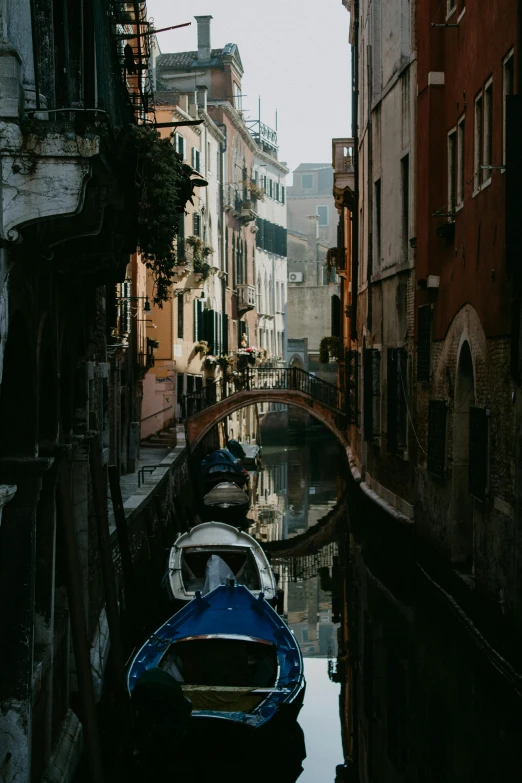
(196, 320)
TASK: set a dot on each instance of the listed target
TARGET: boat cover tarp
(217, 573)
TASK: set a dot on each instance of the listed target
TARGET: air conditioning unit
(295, 277)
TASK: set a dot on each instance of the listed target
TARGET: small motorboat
(213, 553)
(227, 495)
(235, 658)
(221, 465)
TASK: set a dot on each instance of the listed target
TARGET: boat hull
(229, 615)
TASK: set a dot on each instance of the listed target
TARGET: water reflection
(397, 690)
(297, 489)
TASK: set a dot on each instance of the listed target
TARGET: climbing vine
(163, 184)
(330, 346)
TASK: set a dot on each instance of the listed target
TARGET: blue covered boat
(221, 465)
(234, 656)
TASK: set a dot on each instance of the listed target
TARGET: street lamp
(146, 307)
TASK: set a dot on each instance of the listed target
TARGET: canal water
(399, 686)
(297, 487)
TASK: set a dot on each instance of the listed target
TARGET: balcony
(246, 297)
(336, 257)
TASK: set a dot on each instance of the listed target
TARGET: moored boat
(226, 494)
(235, 658)
(221, 465)
(211, 554)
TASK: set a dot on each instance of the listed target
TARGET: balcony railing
(246, 297)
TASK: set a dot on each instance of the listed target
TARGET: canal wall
(155, 510)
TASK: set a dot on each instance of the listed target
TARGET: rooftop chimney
(203, 38)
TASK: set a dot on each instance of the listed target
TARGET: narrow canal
(399, 687)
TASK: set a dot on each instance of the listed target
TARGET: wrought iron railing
(259, 379)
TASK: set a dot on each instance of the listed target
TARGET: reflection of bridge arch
(204, 408)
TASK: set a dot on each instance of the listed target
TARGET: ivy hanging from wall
(163, 185)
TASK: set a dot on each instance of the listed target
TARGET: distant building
(313, 288)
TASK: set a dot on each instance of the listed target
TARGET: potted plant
(201, 347)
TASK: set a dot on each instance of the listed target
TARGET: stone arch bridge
(204, 408)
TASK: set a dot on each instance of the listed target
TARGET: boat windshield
(237, 563)
(223, 674)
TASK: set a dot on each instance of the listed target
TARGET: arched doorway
(462, 540)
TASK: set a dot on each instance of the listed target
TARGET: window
(307, 181)
(460, 161)
(478, 451)
(323, 215)
(282, 194)
(270, 188)
(405, 192)
(181, 310)
(181, 238)
(196, 224)
(452, 170)
(378, 226)
(478, 144)
(180, 145)
(196, 159)
(238, 98)
(397, 360)
(209, 156)
(488, 131)
(276, 191)
(437, 437)
(507, 89)
(424, 344)
(372, 393)
(352, 386)
(179, 387)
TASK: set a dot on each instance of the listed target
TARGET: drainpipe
(355, 135)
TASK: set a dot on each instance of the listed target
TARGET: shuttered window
(424, 344)
(196, 223)
(396, 409)
(196, 159)
(437, 416)
(181, 311)
(352, 386)
(372, 392)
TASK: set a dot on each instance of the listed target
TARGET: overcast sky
(296, 56)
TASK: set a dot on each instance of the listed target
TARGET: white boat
(214, 553)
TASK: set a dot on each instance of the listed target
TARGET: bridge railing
(259, 378)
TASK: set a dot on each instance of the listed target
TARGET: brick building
(464, 383)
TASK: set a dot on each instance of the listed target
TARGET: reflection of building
(428, 706)
(309, 607)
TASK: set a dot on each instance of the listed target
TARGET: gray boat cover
(217, 573)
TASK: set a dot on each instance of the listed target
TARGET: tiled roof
(166, 98)
(178, 60)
